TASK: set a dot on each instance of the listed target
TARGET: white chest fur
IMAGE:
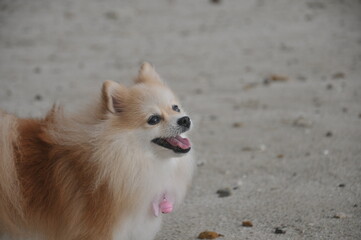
(171, 176)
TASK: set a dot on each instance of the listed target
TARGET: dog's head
(149, 111)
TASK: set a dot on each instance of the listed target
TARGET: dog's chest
(143, 223)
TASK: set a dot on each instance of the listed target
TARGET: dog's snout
(184, 122)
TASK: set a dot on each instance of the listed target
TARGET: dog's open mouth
(178, 144)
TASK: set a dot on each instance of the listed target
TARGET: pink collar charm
(162, 205)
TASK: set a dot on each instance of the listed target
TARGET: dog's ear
(113, 96)
(147, 74)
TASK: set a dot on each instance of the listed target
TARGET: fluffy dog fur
(93, 175)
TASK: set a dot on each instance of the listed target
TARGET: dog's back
(44, 186)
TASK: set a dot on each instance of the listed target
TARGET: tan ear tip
(109, 84)
(146, 66)
(106, 83)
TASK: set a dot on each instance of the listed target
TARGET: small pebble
(247, 149)
(69, 15)
(326, 152)
(266, 81)
(237, 125)
(247, 224)
(280, 156)
(38, 97)
(338, 75)
(213, 117)
(316, 5)
(359, 116)
(301, 78)
(342, 185)
(248, 86)
(329, 134)
(215, 1)
(340, 215)
(344, 109)
(329, 86)
(37, 70)
(355, 205)
(274, 78)
(111, 15)
(209, 235)
(302, 122)
(279, 231)
(224, 192)
(200, 163)
(277, 78)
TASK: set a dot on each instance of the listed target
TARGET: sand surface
(288, 146)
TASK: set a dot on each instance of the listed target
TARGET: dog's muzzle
(177, 143)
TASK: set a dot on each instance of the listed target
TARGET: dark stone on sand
(279, 231)
(224, 192)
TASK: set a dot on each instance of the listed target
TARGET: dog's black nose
(184, 122)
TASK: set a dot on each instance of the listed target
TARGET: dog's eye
(153, 120)
(176, 108)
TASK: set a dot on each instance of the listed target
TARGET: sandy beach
(273, 89)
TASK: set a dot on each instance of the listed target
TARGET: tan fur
(10, 204)
(147, 74)
(62, 177)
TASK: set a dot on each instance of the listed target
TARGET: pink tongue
(178, 141)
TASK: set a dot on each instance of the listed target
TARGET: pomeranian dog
(108, 172)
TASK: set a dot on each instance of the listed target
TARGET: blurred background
(273, 87)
